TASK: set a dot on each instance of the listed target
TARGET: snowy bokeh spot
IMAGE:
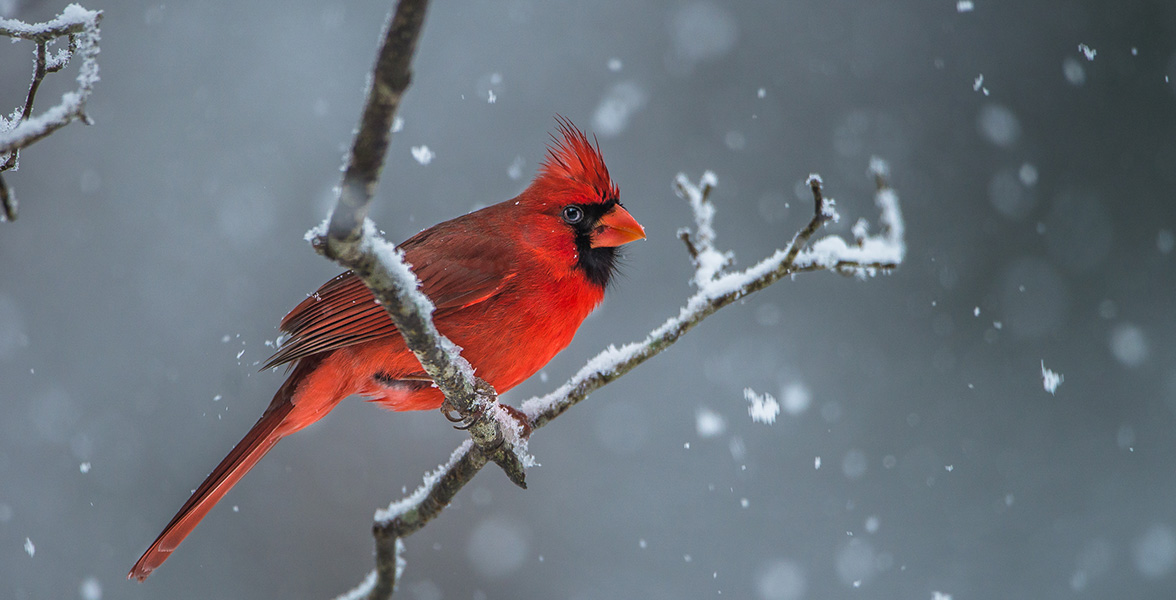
(854, 464)
(702, 31)
(1165, 242)
(1028, 174)
(735, 140)
(709, 423)
(12, 335)
(29, 548)
(855, 562)
(622, 427)
(998, 125)
(1079, 231)
(781, 579)
(617, 107)
(1154, 552)
(1073, 70)
(796, 397)
(872, 524)
(90, 589)
(1010, 195)
(1129, 345)
(1034, 298)
(515, 170)
(615, 65)
(497, 547)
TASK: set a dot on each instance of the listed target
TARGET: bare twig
(80, 26)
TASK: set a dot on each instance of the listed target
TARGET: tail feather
(260, 439)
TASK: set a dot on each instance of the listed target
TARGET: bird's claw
(454, 415)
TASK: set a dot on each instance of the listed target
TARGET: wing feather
(454, 273)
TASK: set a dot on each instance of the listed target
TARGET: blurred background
(917, 451)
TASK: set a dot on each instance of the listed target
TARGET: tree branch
(21, 130)
(351, 240)
(716, 290)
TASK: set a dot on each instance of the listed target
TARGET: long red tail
(260, 439)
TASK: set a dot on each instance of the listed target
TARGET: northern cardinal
(511, 282)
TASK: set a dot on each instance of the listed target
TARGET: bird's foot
(463, 420)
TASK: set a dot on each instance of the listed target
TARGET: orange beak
(617, 227)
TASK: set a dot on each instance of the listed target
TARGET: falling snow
(1050, 380)
(764, 407)
(422, 154)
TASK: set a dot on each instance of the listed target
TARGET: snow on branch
(868, 254)
(498, 433)
(707, 261)
(351, 240)
(716, 289)
(21, 129)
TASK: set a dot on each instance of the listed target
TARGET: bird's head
(573, 192)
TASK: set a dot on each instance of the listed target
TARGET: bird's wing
(454, 273)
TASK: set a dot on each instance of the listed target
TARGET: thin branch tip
(80, 26)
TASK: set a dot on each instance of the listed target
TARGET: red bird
(511, 282)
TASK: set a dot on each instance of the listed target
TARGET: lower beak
(617, 227)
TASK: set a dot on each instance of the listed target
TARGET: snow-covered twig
(22, 129)
(716, 289)
(868, 254)
(701, 242)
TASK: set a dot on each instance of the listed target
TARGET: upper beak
(615, 228)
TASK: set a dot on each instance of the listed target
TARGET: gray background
(156, 245)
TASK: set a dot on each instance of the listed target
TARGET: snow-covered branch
(351, 240)
(21, 129)
(716, 288)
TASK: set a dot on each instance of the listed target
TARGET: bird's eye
(573, 214)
